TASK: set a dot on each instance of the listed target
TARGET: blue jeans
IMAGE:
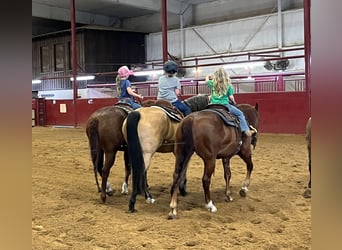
(131, 102)
(182, 107)
(238, 113)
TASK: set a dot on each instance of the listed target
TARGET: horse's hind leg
(209, 167)
(247, 158)
(128, 171)
(179, 180)
(147, 161)
(105, 187)
(227, 176)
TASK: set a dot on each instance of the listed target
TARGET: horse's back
(154, 127)
(106, 124)
(155, 122)
(207, 134)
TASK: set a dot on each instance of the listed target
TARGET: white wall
(67, 94)
(249, 34)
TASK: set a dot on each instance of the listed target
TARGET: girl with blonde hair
(222, 92)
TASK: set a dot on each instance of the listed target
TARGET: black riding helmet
(170, 67)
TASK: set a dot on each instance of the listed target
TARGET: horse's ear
(256, 106)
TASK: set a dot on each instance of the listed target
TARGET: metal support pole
(74, 57)
(164, 29)
(280, 26)
(307, 48)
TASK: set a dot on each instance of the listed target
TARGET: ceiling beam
(61, 14)
(173, 6)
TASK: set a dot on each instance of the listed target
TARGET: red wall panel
(284, 112)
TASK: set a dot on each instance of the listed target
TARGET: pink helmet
(124, 72)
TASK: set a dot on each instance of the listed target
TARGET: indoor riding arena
(264, 46)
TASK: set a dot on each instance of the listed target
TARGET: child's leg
(182, 107)
(238, 113)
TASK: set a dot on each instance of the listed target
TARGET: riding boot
(248, 133)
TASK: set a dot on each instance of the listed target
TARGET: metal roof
(54, 15)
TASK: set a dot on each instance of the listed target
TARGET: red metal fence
(284, 103)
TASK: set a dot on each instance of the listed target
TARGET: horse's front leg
(227, 176)
(209, 167)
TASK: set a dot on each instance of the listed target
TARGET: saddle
(172, 112)
(124, 106)
(225, 115)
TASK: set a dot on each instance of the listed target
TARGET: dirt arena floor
(67, 212)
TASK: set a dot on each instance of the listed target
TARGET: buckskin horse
(148, 130)
(105, 138)
(206, 133)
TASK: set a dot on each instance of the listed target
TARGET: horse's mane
(197, 102)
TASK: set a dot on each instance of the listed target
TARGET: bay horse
(105, 138)
(307, 192)
(211, 138)
(148, 130)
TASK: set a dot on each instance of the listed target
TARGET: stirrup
(253, 129)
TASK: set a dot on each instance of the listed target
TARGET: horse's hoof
(172, 217)
(229, 199)
(183, 192)
(243, 192)
(110, 193)
(132, 210)
(124, 188)
(307, 193)
(211, 207)
(103, 198)
(150, 200)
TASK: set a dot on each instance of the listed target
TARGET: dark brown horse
(149, 130)
(307, 192)
(105, 140)
(211, 138)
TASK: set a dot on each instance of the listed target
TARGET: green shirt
(223, 99)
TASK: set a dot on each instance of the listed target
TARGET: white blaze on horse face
(210, 206)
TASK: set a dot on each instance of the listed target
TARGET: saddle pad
(227, 117)
(124, 106)
(171, 112)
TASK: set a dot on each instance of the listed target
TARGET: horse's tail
(187, 135)
(96, 152)
(184, 148)
(135, 153)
